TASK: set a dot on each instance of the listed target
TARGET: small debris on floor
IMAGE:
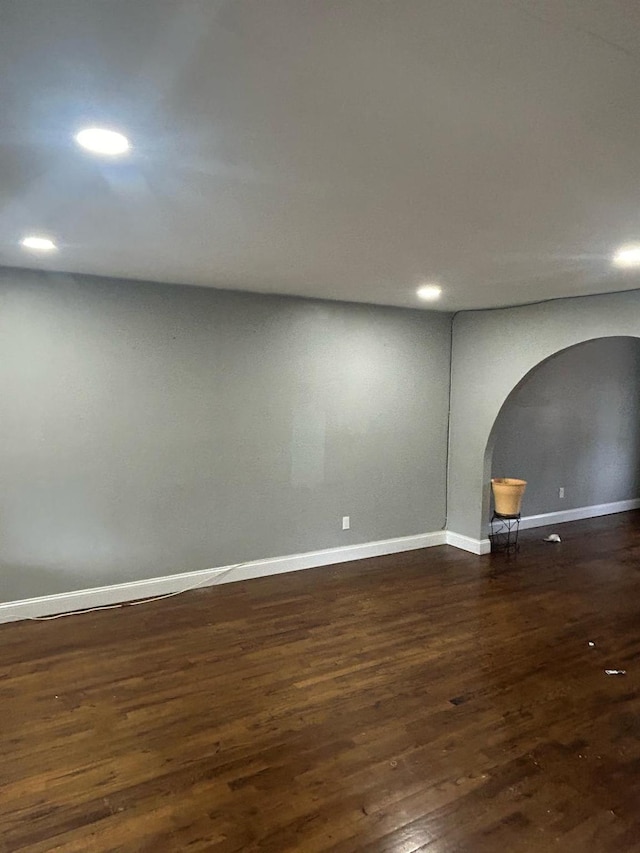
(592, 644)
(615, 671)
(552, 537)
(458, 700)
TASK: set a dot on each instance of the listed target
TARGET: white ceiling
(345, 149)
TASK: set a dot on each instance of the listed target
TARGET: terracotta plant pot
(507, 494)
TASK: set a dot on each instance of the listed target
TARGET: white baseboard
(483, 546)
(85, 599)
(578, 513)
(466, 543)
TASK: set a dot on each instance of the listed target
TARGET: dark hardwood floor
(430, 701)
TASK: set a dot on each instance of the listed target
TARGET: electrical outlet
(346, 522)
(561, 492)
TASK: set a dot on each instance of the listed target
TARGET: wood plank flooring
(430, 701)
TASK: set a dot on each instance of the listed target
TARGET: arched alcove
(572, 423)
(493, 352)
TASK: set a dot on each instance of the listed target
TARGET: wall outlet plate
(346, 522)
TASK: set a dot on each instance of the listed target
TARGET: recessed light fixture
(39, 244)
(99, 140)
(429, 292)
(627, 256)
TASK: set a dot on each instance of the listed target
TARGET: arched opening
(571, 428)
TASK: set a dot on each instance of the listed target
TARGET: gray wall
(148, 429)
(574, 422)
(492, 352)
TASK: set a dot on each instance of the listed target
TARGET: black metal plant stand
(503, 532)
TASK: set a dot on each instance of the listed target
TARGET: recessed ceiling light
(103, 141)
(627, 256)
(39, 244)
(429, 292)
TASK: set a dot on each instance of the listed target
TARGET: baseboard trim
(466, 543)
(85, 599)
(546, 518)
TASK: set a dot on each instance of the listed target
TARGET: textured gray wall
(575, 422)
(149, 429)
(492, 352)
